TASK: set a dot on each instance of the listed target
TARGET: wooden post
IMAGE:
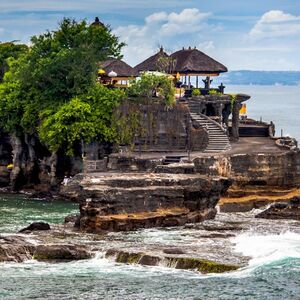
(208, 82)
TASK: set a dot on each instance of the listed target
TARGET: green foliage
(51, 88)
(214, 92)
(151, 85)
(11, 107)
(63, 63)
(128, 124)
(9, 50)
(84, 118)
(232, 100)
(196, 92)
(72, 122)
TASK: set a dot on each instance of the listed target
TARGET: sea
(272, 246)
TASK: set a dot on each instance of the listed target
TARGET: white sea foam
(265, 249)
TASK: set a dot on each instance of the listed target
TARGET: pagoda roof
(153, 63)
(118, 66)
(189, 61)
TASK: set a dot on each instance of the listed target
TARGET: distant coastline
(246, 77)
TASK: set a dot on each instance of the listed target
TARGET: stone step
(217, 139)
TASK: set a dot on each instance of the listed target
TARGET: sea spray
(269, 248)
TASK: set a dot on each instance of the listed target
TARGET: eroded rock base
(187, 263)
(128, 201)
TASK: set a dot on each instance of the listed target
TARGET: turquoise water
(17, 212)
(99, 279)
(274, 246)
(273, 271)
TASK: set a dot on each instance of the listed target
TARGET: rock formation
(187, 263)
(127, 201)
(36, 226)
(282, 210)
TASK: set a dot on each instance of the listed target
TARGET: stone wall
(273, 169)
(152, 127)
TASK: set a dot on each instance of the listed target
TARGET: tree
(9, 50)
(63, 63)
(84, 118)
(57, 76)
(151, 85)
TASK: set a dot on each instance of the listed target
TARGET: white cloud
(276, 23)
(157, 17)
(188, 20)
(206, 46)
(172, 30)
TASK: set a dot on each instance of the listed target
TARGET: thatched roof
(153, 63)
(118, 66)
(189, 61)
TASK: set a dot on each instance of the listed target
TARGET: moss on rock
(202, 265)
(129, 258)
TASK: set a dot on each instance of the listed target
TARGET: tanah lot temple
(174, 162)
(204, 120)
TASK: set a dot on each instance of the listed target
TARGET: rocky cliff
(127, 201)
(267, 169)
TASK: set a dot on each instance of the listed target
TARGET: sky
(243, 35)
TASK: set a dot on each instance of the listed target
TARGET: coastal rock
(73, 219)
(15, 248)
(242, 199)
(61, 252)
(36, 226)
(128, 201)
(41, 195)
(281, 169)
(188, 263)
(282, 210)
(173, 251)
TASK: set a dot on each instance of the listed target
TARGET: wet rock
(222, 228)
(61, 252)
(130, 258)
(36, 226)
(217, 235)
(41, 195)
(282, 210)
(201, 265)
(149, 260)
(73, 219)
(187, 263)
(173, 251)
(15, 248)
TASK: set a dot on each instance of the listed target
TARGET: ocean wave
(268, 248)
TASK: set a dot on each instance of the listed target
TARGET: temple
(204, 119)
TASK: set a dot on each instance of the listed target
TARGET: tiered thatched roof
(153, 63)
(193, 61)
(118, 66)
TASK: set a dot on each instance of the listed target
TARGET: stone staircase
(172, 159)
(218, 140)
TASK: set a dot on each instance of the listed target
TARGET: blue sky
(253, 35)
